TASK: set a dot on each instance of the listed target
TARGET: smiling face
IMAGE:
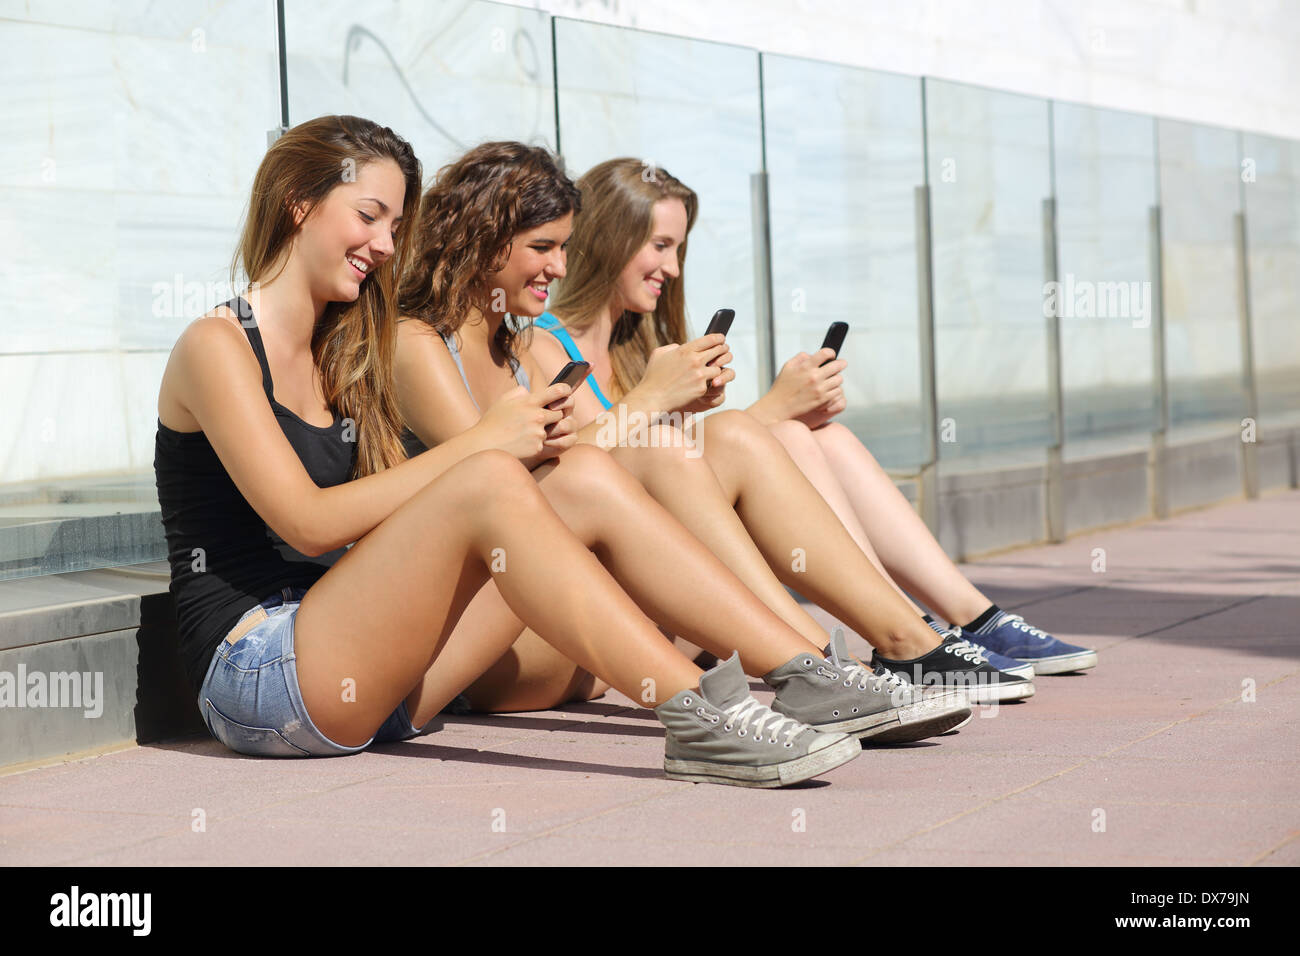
(642, 280)
(350, 232)
(537, 256)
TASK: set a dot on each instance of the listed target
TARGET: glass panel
(692, 108)
(121, 206)
(1199, 194)
(844, 158)
(1271, 169)
(1105, 187)
(989, 172)
(444, 76)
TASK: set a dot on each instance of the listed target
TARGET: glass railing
(122, 199)
(845, 155)
(692, 108)
(989, 170)
(1105, 188)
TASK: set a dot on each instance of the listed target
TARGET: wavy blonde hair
(618, 198)
(354, 343)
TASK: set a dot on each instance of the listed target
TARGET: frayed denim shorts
(250, 698)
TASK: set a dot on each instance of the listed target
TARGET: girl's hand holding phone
(520, 423)
(689, 377)
(809, 388)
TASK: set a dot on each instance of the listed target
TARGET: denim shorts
(250, 698)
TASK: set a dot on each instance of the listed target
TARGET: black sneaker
(956, 666)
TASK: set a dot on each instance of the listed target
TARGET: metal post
(1159, 435)
(282, 60)
(929, 474)
(1055, 516)
(763, 311)
(1250, 426)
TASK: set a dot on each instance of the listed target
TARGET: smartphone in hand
(721, 321)
(571, 375)
(835, 339)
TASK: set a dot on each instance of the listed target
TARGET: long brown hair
(353, 344)
(468, 219)
(618, 199)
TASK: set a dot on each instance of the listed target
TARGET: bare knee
(662, 449)
(794, 435)
(491, 476)
(734, 431)
(834, 436)
(585, 472)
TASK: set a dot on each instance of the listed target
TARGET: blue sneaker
(1004, 664)
(1009, 635)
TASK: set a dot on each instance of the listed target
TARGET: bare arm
(214, 376)
(436, 405)
(804, 389)
(678, 378)
(430, 394)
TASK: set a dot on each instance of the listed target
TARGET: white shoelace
(1020, 624)
(886, 678)
(881, 680)
(749, 710)
(966, 651)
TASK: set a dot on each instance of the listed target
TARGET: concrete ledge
(1278, 454)
(1108, 490)
(1203, 472)
(119, 627)
(94, 706)
(56, 607)
(989, 510)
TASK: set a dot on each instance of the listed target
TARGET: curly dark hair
(468, 220)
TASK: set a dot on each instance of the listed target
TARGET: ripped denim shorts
(250, 698)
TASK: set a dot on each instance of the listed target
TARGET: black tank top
(224, 559)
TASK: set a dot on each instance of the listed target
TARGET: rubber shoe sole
(926, 718)
(1065, 664)
(769, 776)
(1025, 669)
(911, 722)
(953, 730)
(996, 693)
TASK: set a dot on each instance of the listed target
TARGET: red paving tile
(1158, 737)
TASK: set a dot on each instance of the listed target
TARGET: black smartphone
(571, 375)
(835, 339)
(721, 321)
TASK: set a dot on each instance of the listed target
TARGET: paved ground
(1162, 755)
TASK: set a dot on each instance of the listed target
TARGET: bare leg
(661, 565)
(806, 452)
(801, 538)
(689, 490)
(905, 544)
(383, 617)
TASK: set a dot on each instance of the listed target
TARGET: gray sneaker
(721, 734)
(836, 693)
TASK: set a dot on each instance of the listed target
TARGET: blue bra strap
(551, 324)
